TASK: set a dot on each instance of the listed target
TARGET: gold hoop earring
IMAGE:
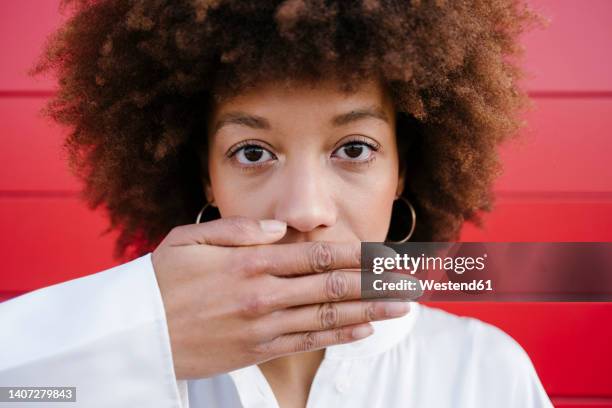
(199, 217)
(413, 214)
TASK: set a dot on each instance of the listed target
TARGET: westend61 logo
(487, 271)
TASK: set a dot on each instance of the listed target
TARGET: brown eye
(252, 154)
(355, 151)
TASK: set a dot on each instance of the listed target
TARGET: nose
(306, 197)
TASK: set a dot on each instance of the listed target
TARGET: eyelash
(356, 140)
(249, 167)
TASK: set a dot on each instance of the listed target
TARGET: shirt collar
(255, 392)
(387, 333)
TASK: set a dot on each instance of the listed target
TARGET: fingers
(229, 231)
(301, 258)
(334, 286)
(313, 340)
(331, 315)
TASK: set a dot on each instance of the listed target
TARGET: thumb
(231, 231)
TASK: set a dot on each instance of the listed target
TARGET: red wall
(557, 186)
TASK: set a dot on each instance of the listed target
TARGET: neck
(292, 374)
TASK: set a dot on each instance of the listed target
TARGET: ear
(209, 194)
(400, 182)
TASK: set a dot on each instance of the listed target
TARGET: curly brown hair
(137, 76)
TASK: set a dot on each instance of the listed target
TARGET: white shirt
(106, 334)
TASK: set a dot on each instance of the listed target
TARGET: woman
(317, 117)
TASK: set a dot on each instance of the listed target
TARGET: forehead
(325, 96)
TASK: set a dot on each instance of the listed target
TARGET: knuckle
(370, 311)
(306, 342)
(328, 316)
(254, 263)
(175, 230)
(261, 348)
(336, 285)
(256, 305)
(357, 254)
(255, 332)
(340, 335)
(321, 256)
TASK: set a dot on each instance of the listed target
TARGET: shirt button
(342, 384)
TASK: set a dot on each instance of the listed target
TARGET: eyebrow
(258, 122)
(375, 112)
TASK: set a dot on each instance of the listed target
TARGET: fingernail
(362, 331)
(272, 225)
(396, 309)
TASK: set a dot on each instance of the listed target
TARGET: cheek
(368, 203)
(234, 193)
(222, 186)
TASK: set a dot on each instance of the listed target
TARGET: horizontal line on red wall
(38, 193)
(511, 195)
(24, 93)
(570, 94)
(554, 195)
(587, 401)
